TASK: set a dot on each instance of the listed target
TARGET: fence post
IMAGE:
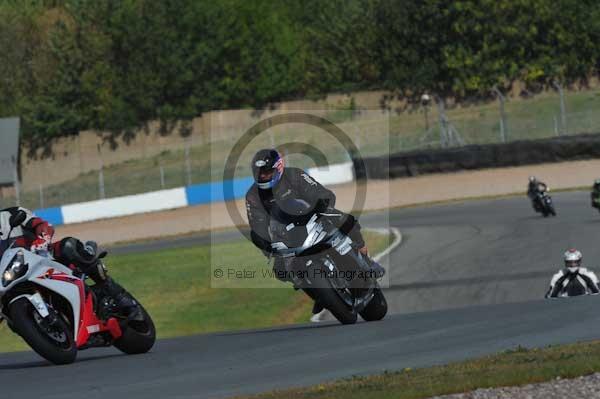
(357, 137)
(188, 165)
(555, 125)
(41, 196)
(101, 193)
(503, 126)
(563, 115)
(425, 103)
(443, 122)
(16, 184)
(162, 177)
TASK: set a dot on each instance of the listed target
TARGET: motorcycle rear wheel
(376, 309)
(55, 343)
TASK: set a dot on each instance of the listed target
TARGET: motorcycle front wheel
(138, 335)
(53, 342)
(330, 297)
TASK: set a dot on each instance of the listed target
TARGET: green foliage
(70, 65)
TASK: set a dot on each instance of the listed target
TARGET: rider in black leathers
(535, 188)
(275, 183)
(595, 194)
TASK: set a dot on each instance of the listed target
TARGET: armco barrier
(214, 192)
(52, 215)
(123, 206)
(565, 148)
(175, 198)
(333, 174)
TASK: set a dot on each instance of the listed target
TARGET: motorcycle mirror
(17, 219)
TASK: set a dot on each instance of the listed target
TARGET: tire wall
(516, 153)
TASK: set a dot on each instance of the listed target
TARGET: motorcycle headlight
(15, 269)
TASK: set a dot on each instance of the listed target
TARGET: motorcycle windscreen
(288, 222)
(290, 234)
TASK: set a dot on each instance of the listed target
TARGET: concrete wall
(72, 156)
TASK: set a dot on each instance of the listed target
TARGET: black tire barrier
(471, 157)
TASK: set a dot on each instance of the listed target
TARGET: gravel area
(582, 387)
(380, 194)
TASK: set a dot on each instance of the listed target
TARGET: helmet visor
(265, 175)
(572, 263)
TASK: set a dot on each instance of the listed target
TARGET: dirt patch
(379, 194)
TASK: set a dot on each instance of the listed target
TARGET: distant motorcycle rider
(36, 235)
(595, 194)
(275, 183)
(573, 280)
(534, 189)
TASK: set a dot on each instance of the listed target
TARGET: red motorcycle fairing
(90, 324)
(88, 321)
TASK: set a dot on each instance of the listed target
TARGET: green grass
(514, 367)
(175, 287)
(374, 135)
(480, 123)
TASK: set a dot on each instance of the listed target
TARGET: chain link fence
(547, 115)
(197, 159)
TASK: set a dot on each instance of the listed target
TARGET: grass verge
(519, 366)
(175, 287)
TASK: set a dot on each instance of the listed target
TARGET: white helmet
(573, 258)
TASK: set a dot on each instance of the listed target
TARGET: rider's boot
(317, 307)
(376, 267)
(125, 304)
(88, 259)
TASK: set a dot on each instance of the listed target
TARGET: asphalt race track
(467, 281)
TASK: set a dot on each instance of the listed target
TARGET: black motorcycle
(543, 204)
(321, 260)
(595, 200)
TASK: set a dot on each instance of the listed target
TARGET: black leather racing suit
(532, 192)
(595, 194)
(294, 184)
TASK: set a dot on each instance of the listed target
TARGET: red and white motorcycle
(52, 308)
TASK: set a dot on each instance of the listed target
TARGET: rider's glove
(41, 243)
(322, 205)
(275, 246)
